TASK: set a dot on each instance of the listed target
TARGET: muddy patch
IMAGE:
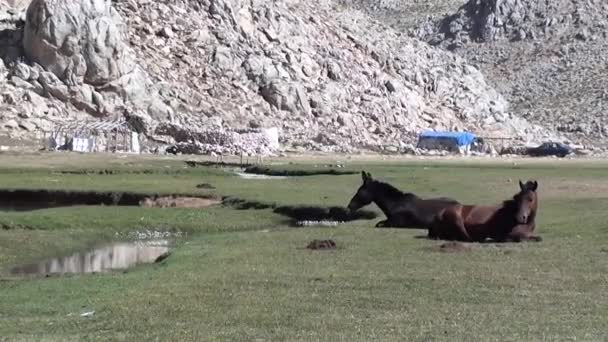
(179, 202)
(117, 256)
(33, 199)
(452, 247)
(321, 245)
(204, 186)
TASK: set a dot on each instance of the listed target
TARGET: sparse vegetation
(247, 274)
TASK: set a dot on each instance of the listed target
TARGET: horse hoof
(536, 238)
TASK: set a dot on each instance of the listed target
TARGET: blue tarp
(460, 138)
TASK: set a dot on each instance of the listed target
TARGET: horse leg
(432, 233)
(456, 223)
(523, 233)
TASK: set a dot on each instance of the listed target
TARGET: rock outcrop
(328, 78)
(84, 57)
(546, 57)
(494, 20)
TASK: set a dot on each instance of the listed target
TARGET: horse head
(526, 201)
(364, 195)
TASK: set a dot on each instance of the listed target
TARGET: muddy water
(116, 256)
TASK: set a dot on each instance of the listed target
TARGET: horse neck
(387, 197)
(532, 217)
(508, 212)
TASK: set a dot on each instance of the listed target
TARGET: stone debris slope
(547, 57)
(328, 77)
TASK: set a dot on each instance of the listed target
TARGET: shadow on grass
(271, 171)
(33, 199)
(304, 213)
(193, 163)
(260, 170)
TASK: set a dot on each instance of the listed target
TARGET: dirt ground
(179, 202)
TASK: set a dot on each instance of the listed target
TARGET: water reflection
(116, 256)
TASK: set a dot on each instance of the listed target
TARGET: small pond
(116, 256)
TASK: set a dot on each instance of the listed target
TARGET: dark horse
(513, 220)
(402, 210)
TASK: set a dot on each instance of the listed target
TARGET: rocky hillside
(547, 57)
(327, 75)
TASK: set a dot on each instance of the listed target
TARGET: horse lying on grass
(402, 210)
(448, 219)
(511, 221)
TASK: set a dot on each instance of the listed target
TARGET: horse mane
(390, 191)
(510, 204)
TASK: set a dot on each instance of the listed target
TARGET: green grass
(245, 275)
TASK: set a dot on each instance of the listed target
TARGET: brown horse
(402, 210)
(513, 220)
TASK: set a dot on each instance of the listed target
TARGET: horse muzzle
(522, 219)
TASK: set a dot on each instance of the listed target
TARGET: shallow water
(245, 175)
(117, 256)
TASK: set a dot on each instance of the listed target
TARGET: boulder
(78, 41)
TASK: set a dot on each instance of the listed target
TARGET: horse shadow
(318, 213)
(297, 213)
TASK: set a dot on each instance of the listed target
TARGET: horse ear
(522, 186)
(364, 176)
(369, 176)
(534, 186)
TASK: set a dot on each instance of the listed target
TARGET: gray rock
(199, 37)
(11, 124)
(100, 105)
(82, 98)
(333, 71)
(39, 105)
(28, 126)
(390, 86)
(53, 86)
(328, 80)
(166, 32)
(49, 40)
(286, 96)
(14, 6)
(560, 91)
(22, 71)
(20, 83)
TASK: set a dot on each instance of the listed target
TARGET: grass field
(244, 275)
